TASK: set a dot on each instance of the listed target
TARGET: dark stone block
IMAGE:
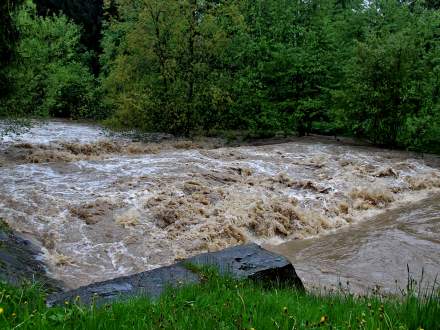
(246, 261)
(20, 261)
(150, 283)
(251, 261)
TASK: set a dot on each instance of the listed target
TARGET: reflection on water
(103, 207)
(374, 252)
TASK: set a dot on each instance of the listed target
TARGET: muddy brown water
(103, 206)
(375, 253)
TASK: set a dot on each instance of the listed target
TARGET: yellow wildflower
(323, 319)
(14, 315)
(1, 310)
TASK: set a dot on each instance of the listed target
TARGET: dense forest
(369, 69)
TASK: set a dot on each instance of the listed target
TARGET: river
(102, 206)
(376, 253)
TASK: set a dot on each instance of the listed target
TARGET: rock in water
(246, 261)
(251, 261)
(20, 261)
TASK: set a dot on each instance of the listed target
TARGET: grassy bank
(222, 303)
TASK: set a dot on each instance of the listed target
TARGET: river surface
(102, 206)
(374, 254)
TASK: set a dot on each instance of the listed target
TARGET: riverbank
(223, 303)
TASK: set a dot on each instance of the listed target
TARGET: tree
(164, 61)
(8, 38)
(88, 14)
(49, 74)
(284, 65)
(368, 69)
(391, 83)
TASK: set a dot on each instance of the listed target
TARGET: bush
(390, 93)
(50, 76)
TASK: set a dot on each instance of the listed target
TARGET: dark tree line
(260, 66)
(8, 38)
(86, 13)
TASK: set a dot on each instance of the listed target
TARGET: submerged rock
(20, 261)
(246, 261)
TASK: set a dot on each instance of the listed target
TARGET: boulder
(246, 261)
(21, 260)
(253, 262)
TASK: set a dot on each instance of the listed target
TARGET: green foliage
(268, 66)
(8, 39)
(162, 73)
(223, 303)
(369, 69)
(49, 75)
(391, 86)
(189, 65)
(86, 13)
(286, 62)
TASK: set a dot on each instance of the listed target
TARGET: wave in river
(105, 206)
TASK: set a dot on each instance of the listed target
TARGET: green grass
(223, 303)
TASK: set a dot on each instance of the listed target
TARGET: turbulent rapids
(102, 206)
